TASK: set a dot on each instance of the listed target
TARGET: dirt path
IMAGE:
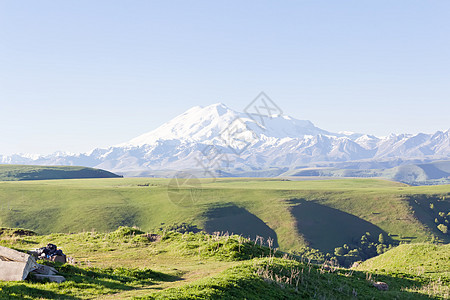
(188, 275)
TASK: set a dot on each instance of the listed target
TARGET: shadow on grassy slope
(23, 291)
(84, 283)
(239, 221)
(427, 208)
(326, 228)
(433, 172)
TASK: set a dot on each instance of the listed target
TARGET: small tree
(339, 251)
(443, 228)
(433, 238)
(381, 239)
(381, 248)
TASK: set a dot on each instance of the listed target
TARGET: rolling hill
(428, 261)
(412, 258)
(25, 172)
(437, 172)
(131, 264)
(320, 214)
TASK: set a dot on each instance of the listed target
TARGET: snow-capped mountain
(206, 124)
(217, 138)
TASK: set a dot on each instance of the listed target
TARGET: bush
(124, 231)
(443, 228)
(339, 251)
(381, 238)
(180, 227)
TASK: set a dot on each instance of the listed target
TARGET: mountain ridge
(197, 138)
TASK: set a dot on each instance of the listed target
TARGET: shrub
(381, 238)
(443, 228)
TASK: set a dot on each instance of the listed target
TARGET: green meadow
(231, 238)
(131, 264)
(319, 214)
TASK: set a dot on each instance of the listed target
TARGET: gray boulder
(15, 265)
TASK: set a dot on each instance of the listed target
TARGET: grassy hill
(434, 172)
(413, 258)
(24, 172)
(430, 262)
(437, 172)
(129, 263)
(319, 214)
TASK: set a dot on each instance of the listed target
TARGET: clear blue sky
(79, 74)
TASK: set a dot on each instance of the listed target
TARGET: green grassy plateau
(319, 214)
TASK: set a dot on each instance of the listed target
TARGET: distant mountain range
(216, 140)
